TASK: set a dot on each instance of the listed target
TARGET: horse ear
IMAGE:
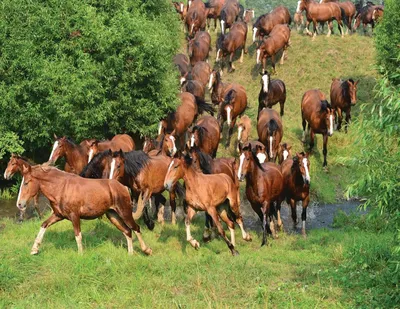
(240, 147)
(26, 169)
(289, 147)
(109, 151)
(355, 84)
(55, 136)
(307, 154)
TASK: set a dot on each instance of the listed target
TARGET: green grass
(290, 273)
(311, 64)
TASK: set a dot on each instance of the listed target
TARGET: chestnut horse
(181, 9)
(119, 141)
(284, 152)
(181, 61)
(201, 72)
(207, 193)
(194, 87)
(233, 106)
(205, 135)
(229, 14)
(265, 23)
(199, 47)
(248, 16)
(196, 17)
(179, 121)
(278, 39)
(271, 92)
(343, 97)
(76, 156)
(321, 12)
(319, 115)
(217, 88)
(99, 167)
(366, 16)
(270, 131)
(349, 10)
(228, 44)
(74, 198)
(244, 130)
(258, 148)
(264, 185)
(213, 9)
(296, 187)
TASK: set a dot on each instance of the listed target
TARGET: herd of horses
(111, 177)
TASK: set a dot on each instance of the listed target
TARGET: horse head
(329, 113)
(176, 169)
(352, 90)
(265, 80)
(28, 189)
(227, 105)
(302, 163)
(59, 148)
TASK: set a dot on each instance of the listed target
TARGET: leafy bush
(84, 68)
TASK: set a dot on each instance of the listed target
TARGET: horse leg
(207, 234)
(265, 215)
(312, 137)
(325, 149)
(347, 120)
(146, 217)
(230, 132)
(304, 215)
(314, 28)
(172, 202)
(283, 55)
(282, 105)
(224, 216)
(234, 204)
(76, 222)
(304, 124)
(191, 212)
(231, 66)
(340, 118)
(292, 203)
(50, 221)
(307, 28)
(213, 213)
(330, 26)
(341, 28)
(273, 63)
(115, 219)
(278, 214)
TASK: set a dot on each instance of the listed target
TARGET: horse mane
(94, 169)
(29, 161)
(188, 159)
(325, 105)
(201, 131)
(228, 98)
(205, 161)
(258, 20)
(284, 145)
(272, 126)
(135, 161)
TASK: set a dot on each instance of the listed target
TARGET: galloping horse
(228, 44)
(284, 152)
(199, 47)
(271, 92)
(196, 17)
(213, 9)
(229, 14)
(76, 156)
(233, 106)
(206, 193)
(264, 185)
(119, 141)
(343, 97)
(349, 10)
(270, 131)
(321, 12)
(319, 115)
(74, 198)
(366, 16)
(244, 130)
(269, 46)
(296, 187)
(205, 135)
(265, 23)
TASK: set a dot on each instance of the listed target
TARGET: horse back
(241, 98)
(336, 93)
(123, 142)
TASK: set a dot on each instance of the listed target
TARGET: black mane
(94, 169)
(272, 126)
(325, 105)
(135, 161)
(205, 161)
(201, 132)
(227, 98)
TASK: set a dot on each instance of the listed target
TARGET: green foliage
(85, 68)
(262, 6)
(9, 143)
(387, 41)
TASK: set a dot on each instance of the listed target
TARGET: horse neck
(50, 183)
(251, 178)
(218, 90)
(75, 153)
(189, 177)
(297, 177)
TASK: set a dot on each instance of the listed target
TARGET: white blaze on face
(331, 124)
(320, 1)
(258, 56)
(173, 145)
(254, 33)
(182, 80)
(306, 169)
(182, 7)
(170, 165)
(240, 130)
(218, 52)
(210, 82)
(222, 26)
(241, 160)
(20, 190)
(298, 7)
(271, 138)
(159, 127)
(228, 115)
(261, 157)
(192, 141)
(144, 145)
(265, 80)
(191, 29)
(285, 154)
(54, 149)
(112, 169)
(244, 14)
(90, 155)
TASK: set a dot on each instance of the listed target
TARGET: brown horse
(228, 44)
(319, 115)
(213, 9)
(298, 19)
(119, 141)
(271, 92)
(194, 87)
(258, 148)
(207, 193)
(201, 72)
(349, 10)
(165, 145)
(343, 97)
(74, 198)
(278, 39)
(248, 16)
(366, 16)
(296, 187)
(99, 167)
(179, 121)
(229, 14)
(199, 47)
(265, 23)
(181, 61)
(244, 130)
(233, 106)
(217, 88)
(181, 9)
(284, 152)
(264, 185)
(205, 135)
(270, 131)
(196, 17)
(76, 156)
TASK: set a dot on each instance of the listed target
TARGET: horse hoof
(195, 244)
(34, 251)
(248, 237)
(207, 238)
(148, 251)
(235, 252)
(173, 222)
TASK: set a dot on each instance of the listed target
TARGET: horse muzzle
(241, 178)
(168, 185)
(7, 175)
(21, 205)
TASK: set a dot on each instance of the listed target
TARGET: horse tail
(344, 17)
(241, 13)
(204, 107)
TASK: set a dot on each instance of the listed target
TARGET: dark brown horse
(228, 44)
(321, 12)
(270, 131)
(74, 198)
(349, 10)
(319, 115)
(76, 156)
(181, 61)
(213, 9)
(265, 23)
(196, 17)
(278, 39)
(271, 92)
(179, 121)
(119, 141)
(233, 106)
(205, 135)
(244, 130)
(264, 185)
(366, 16)
(284, 152)
(199, 47)
(229, 14)
(296, 187)
(207, 193)
(343, 97)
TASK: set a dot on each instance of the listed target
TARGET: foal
(271, 92)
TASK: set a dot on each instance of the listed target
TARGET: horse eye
(119, 165)
(25, 183)
(176, 166)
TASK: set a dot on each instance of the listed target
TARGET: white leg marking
(79, 243)
(130, 246)
(38, 241)
(192, 141)
(188, 234)
(228, 115)
(90, 155)
(20, 190)
(285, 154)
(210, 83)
(306, 169)
(241, 160)
(54, 149)
(254, 33)
(258, 56)
(159, 127)
(233, 241)
(331, 124)
(222, 26)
